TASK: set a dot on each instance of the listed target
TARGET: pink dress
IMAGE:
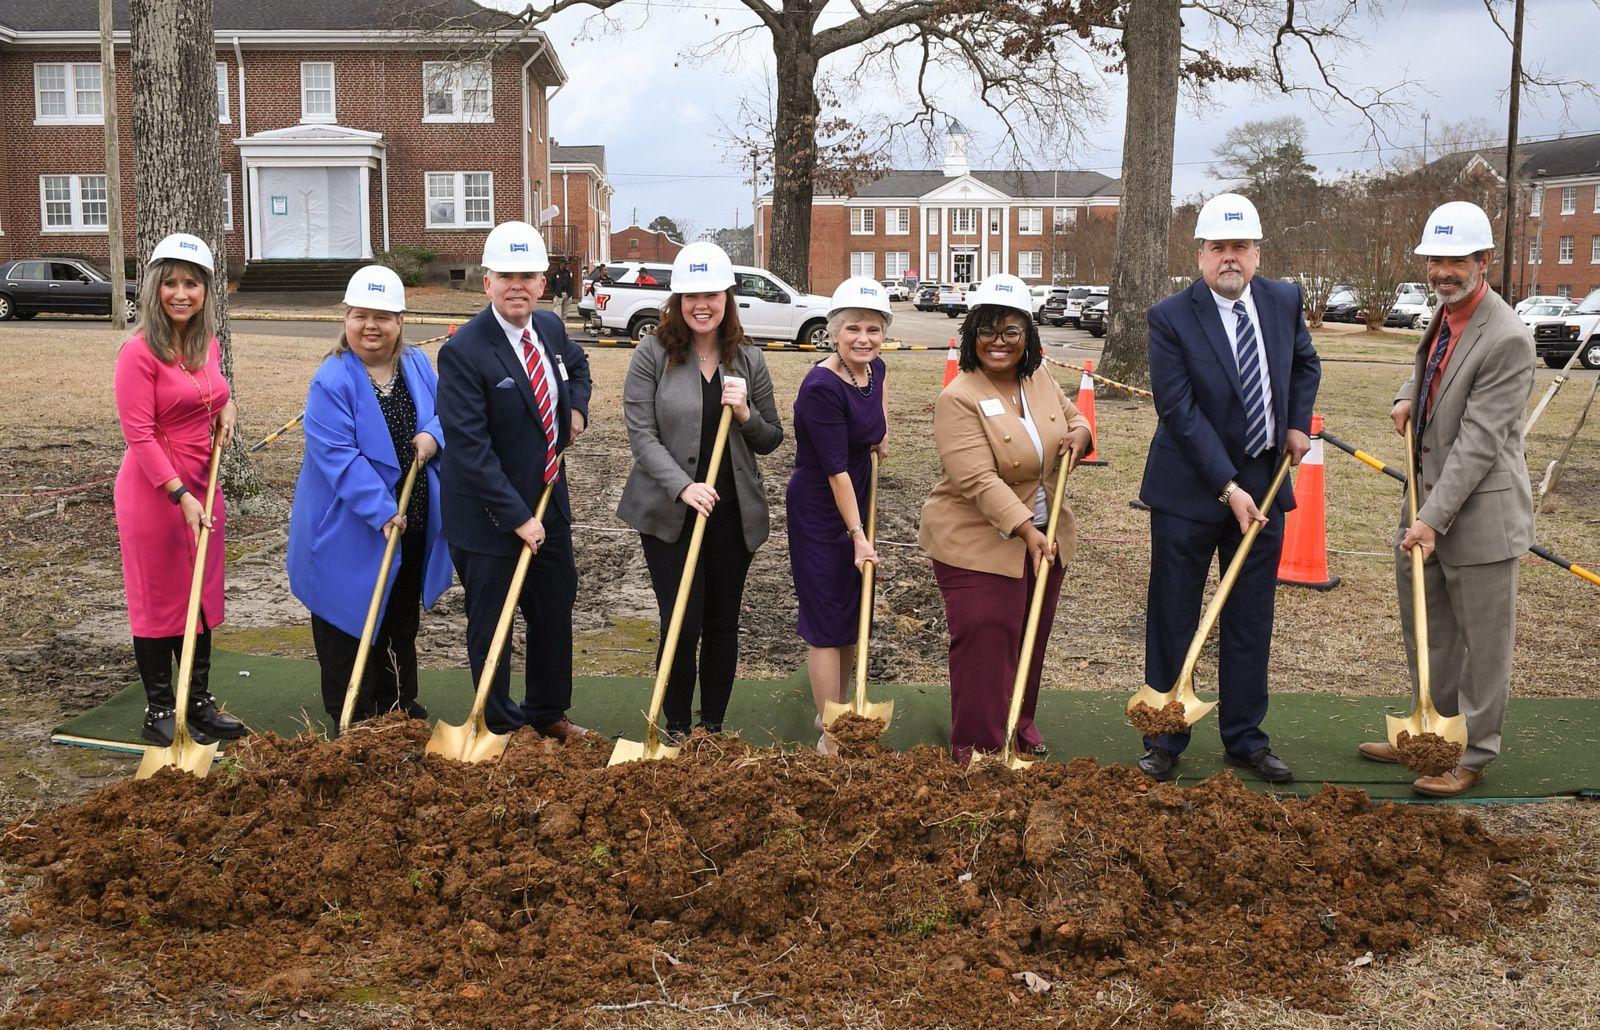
(166, 415)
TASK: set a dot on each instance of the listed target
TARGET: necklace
(204, 395)
(386, 387)
(854, 382)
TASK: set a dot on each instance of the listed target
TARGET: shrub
(409, 263)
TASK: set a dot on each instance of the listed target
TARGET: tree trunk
(794, 146)
(1508, 241)
(1151, 38)
(177, 173)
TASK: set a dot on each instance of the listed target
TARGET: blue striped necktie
(1250, 380)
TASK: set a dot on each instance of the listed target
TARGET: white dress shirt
(514, 335)
(1230, 325)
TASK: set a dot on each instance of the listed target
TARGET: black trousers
(157, 658)
(711, 620)
(1181, 553)
(546, 605)
(390, 678)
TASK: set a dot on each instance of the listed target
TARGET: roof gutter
(527, 129)
(244, 173)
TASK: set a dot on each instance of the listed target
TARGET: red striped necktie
(543, 400)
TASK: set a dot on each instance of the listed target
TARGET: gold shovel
(473, 741)
(184, 753)
(884, 710)
(652, 748)
(1195, 709)
(1424, 718)
(371, 626)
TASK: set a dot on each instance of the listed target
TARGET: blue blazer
(346, 492)
(1199, 440)
(493, 473)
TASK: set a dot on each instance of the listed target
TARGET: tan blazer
(991, 474)
(1475, 491)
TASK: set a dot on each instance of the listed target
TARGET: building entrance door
(963, 267)
(311, 212)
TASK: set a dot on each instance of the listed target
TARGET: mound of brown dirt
(856, 734)
(534, 890)
(1169, 718)
(1427, 753)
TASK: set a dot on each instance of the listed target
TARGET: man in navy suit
(1234, 376)
(513, 393)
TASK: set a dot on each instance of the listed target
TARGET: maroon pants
(987, 614)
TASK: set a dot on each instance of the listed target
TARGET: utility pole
(108, 103)
(1509, 254)
(755, 207)
(1424, 138)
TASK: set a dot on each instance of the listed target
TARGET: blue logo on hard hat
(1233, 216)
(519, 248)
(700, 267)
(186, 245)
(867, 291)
(375, 288)
(1444, 230)
(1002, 288)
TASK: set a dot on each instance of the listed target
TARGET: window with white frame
(222, 93)
(964, 219)
(931, 269)
(1594, 250)
(1569, 200)
(862, 263)
(933, 219)
(68, 94)
(1030, 264)
(1066, 218)
(1564, 253)
(996, 215)
(316, 91)
(1597, 199)
(863, 221)
(227, 202)
(994, 261)
(1534, 249)
(1030, 221)
(1536, 205)
(453, 92)
(1564, 292)
(72, 203)
(896, 264)
(460, 200)
(897, 221)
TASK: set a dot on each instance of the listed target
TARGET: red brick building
(342, 131)
(581, 233)
(955, 224)
(636, 244)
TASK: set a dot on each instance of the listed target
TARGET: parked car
(1408, 310)
(1075, 299)
(1054, 310)
(59, 285)
(769, 308)
(894, 289)
(1341, 306)
(953, 299)
(1578, 331)
(1096, 307)
(1536, 313)
(927, 296)
(1539, 298)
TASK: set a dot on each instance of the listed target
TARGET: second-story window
(1030, 221)
(454, 92)
(863, 221)
(1569, 200)
(67, 94)
(316, 91)
(222, 92)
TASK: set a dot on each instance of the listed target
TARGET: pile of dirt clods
(545, 887)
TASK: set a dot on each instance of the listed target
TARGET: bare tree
(178, 168)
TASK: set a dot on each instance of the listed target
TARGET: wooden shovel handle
(367, 630)
(1419, 598)
(864, 619)
(196, 588)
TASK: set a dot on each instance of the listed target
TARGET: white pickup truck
(953, 299)
(769, 308)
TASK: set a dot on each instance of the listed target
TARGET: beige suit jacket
(1474, 491)
(992, 473)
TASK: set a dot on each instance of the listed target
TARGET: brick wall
(1550, 275)
(636, 244)
(579, 226)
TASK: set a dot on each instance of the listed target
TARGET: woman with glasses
(1000, 431)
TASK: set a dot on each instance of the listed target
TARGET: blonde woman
(172, 402)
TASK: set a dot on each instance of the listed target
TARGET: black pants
(711, 620)
(390, 678)
(156, 657)
(546, 606)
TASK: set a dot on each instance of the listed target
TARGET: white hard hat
(515, 247)
(184, 247)
(377, 288)
(862, 292)
(1455, 230)
(1228, 216)
(1004, 289)
(701, 267)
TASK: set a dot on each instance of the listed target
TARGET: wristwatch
(176, 496)
(1227, 491)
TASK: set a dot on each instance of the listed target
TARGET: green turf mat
(1549, 744)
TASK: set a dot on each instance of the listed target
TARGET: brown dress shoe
(1378, 751)
(563, 730)
(1457, 781)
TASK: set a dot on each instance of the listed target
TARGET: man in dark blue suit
(1234, 376)
(513, 393)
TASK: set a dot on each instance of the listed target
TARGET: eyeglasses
(1012, 334)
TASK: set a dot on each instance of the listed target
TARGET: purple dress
(835, 429)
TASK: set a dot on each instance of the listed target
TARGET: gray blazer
(661, 407)
(1474, 490)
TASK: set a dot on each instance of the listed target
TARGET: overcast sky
(634, 89)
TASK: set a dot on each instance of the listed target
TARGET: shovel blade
(1194, 709)
(831, 710)
(194, 759)
(1411, 724)
(471, 742)
(634, 751)
(1008, 758)
(1451, 727)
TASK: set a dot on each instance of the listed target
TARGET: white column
(366, 213)
(982, 263)
(254, 214)
(1005, 238)
(922, 245)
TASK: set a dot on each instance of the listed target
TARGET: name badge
(991, 406)
(561, 366)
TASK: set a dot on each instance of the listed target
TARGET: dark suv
(64, 285)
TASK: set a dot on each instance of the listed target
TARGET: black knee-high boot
(203, 711)
(154, 656)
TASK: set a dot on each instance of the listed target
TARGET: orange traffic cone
(1086, 408)
(952, 362)
(1305, 531)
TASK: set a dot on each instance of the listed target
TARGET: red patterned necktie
(543, 400)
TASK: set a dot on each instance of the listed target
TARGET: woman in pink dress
(172, 401)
